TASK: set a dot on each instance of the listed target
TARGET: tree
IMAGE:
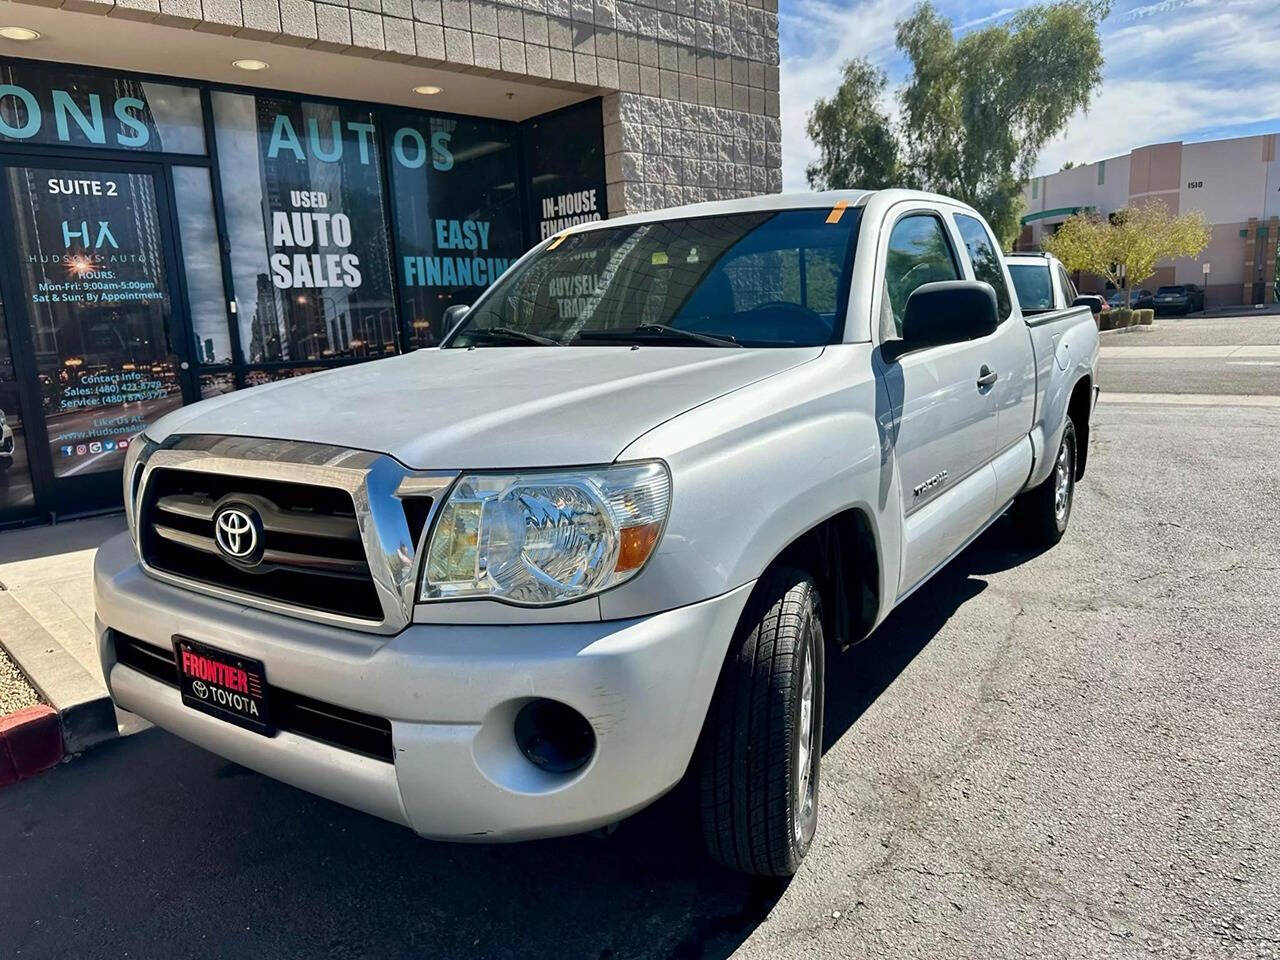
(1125, 247)
(975, 111)
(859, 145)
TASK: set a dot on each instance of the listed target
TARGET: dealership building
(205, 195)
(1234, 183)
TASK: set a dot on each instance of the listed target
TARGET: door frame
(95, 492)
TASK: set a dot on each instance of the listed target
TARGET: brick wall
(691, 86)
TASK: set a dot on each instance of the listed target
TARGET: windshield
(1035, 290)
(765, 279)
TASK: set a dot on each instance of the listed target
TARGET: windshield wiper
(659, 331)
(510, 333)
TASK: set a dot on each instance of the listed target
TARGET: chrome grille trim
(376, 483)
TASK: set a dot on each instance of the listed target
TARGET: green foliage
(976, 110)
(859, 146)
(1117, 318)
(1146, 317)
(1125, 247)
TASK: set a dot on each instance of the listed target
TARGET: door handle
(987, 376)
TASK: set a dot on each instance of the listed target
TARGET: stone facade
(690, 86)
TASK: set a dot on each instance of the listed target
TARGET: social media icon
(81, 450)
(68, 451)
(122, 444)
(108, 446)
(95, 447)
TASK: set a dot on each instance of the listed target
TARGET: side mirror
(1089, 302)
(951, 311)
(453, 316)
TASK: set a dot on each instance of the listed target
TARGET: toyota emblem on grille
(236, 532)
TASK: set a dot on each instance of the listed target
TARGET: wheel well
(1079, 408)
(840, 555)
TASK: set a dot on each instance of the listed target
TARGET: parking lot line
(1193, 399)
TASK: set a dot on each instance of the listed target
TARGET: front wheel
(761, 748)
(1043, 512)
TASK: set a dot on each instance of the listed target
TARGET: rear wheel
(1043, 513)
(761, 748)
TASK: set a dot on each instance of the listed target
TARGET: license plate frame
(223, 685)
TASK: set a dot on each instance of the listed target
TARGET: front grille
(311, 555)
(337, 726)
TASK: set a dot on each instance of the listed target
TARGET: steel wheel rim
(1062, 483)
(804, 751)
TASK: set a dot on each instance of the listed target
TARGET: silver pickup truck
(607, 534)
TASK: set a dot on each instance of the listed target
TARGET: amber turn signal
(637, 544)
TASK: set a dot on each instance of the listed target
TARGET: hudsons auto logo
(236, 531)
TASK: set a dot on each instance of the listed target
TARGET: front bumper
(451, 693)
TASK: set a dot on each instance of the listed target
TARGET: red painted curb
(30, 741)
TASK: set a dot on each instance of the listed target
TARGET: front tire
(761, 748)
(1043, 513)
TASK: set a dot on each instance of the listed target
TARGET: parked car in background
(6, 443)
(1096, 303)
(1138, 299)
(1180, 298)
(605, 535)
(1044, 286)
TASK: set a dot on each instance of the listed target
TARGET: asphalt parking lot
(1067, 754)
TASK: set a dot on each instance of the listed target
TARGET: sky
(1173, 70)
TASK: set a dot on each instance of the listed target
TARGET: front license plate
(223, 685)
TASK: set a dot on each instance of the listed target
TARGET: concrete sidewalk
(49, 572)
(1258, 351)
(46, 622)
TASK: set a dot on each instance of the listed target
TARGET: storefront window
(84, 108)
(202, 263)
(564, 166)
(457, 213)
(303, 193)
(90, 254)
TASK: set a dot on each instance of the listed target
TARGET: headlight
(538, 538)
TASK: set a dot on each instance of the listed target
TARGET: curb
(1131, 328)
(30, 742)
(86, 716)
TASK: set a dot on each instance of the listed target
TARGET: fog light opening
(554, 737)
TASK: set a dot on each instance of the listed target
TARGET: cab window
(919, 253)
(985, 257)
(1069, 293)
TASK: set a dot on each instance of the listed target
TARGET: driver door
(942, 420)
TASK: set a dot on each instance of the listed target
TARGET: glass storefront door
(89, 263)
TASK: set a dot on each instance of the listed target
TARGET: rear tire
(1042, 513)
(761, 748)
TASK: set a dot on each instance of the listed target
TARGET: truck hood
(495, 407)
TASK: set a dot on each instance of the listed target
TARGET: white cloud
(1198, 69)
(818, 37)
(1174, 69)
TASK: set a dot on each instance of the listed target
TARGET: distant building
(1235, 183)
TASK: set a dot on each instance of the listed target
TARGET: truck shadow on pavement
(150, 847)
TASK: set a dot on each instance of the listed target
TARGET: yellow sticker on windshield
(837, 211)
(558, 240)
(659, 258)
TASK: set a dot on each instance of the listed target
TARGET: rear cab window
(984, 255)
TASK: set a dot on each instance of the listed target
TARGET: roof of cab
(765, 202)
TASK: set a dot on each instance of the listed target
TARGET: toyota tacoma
(603, 539)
